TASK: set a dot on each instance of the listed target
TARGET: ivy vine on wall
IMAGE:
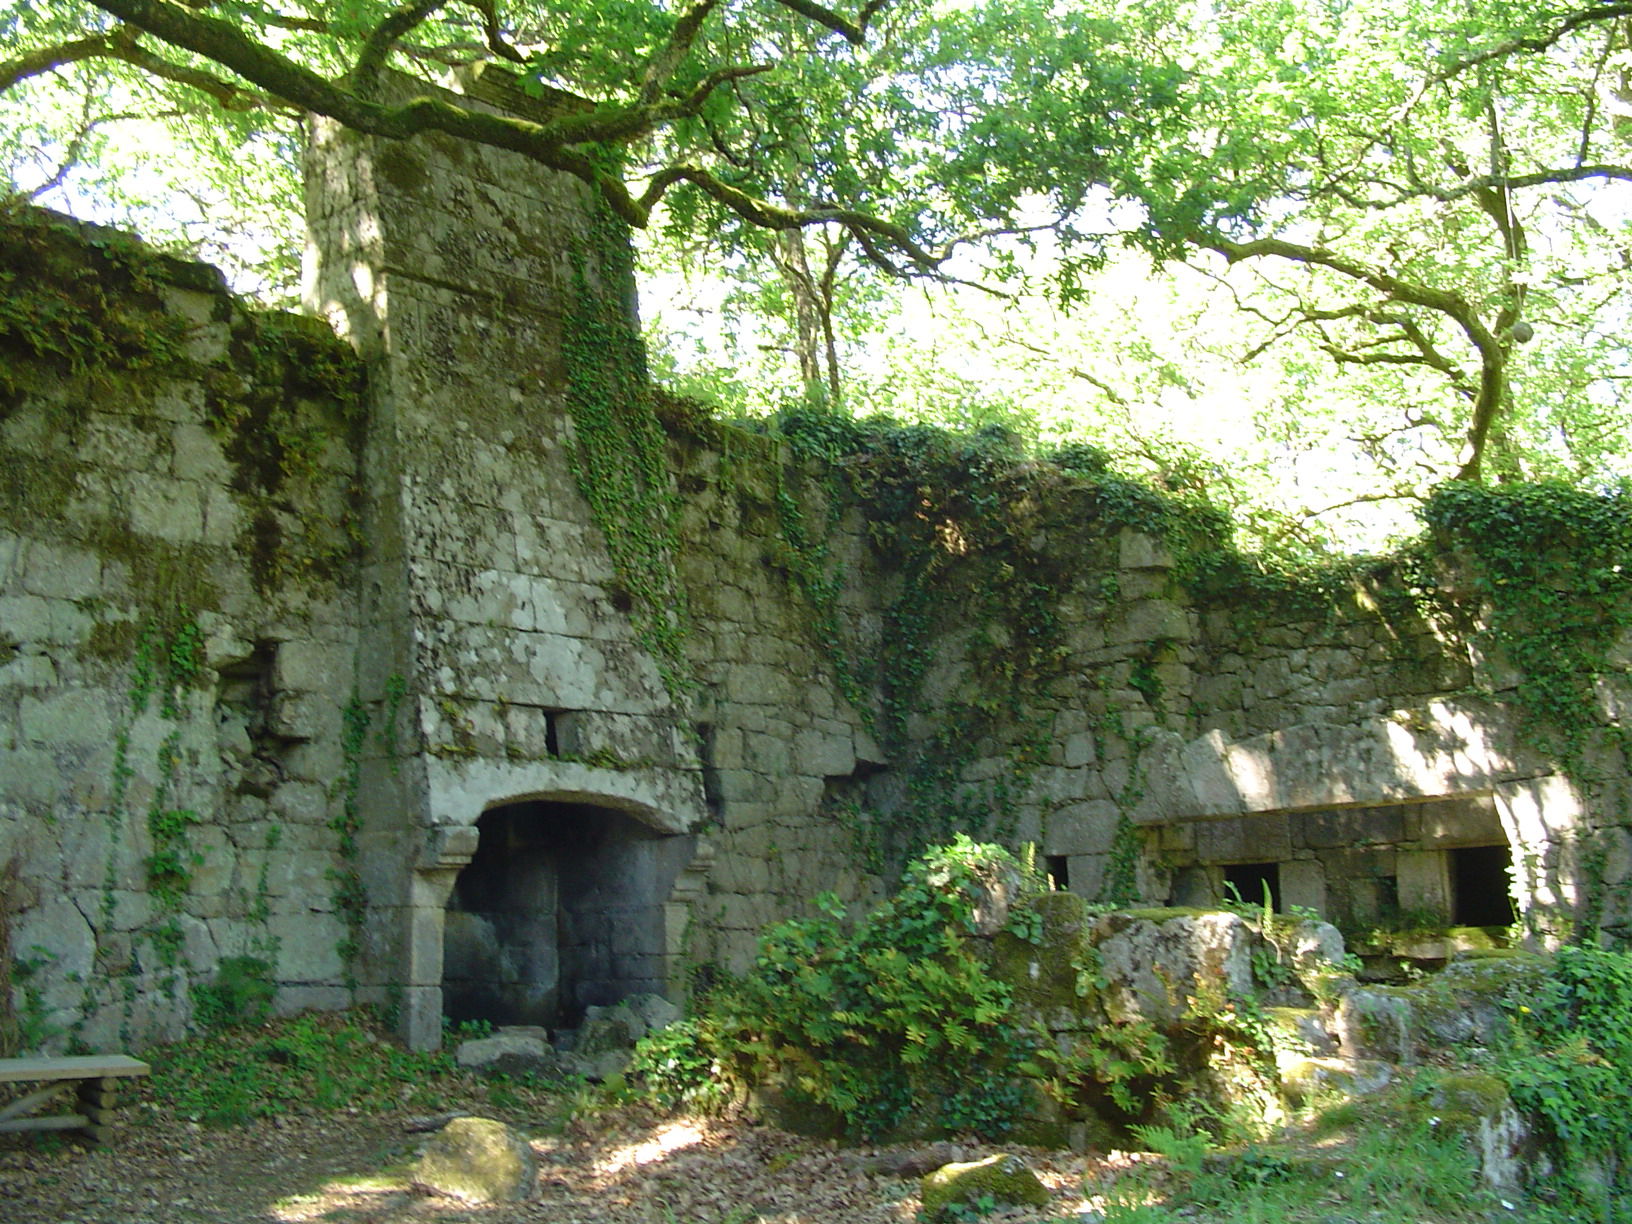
(619, 451)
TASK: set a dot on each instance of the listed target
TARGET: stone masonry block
(824, 754)
(171, 510)
(72, 718)
(1303, 884)
(1422, 881)
(60, 571)
(1149, 620)
(1082, 828)
(1470, 821)
(1136, 550)
(1351, 827)
(1244, 839)
(312, 667)
(308, 946)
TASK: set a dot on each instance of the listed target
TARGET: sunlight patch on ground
(345, 1195)
(665, 1141)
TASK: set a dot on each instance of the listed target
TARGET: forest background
(1300, 260)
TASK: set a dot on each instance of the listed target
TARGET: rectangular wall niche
(561, 907)
(1481, 885)
(1437, 861)
(1251, 882)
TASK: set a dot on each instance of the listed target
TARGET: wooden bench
(92, 1078)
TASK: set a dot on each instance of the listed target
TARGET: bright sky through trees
(1356, 247)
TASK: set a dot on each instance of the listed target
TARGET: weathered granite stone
(478, 1160)
(509, 1053)
(1155, 962)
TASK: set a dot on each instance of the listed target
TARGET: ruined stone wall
(177, 635)
(283, 645)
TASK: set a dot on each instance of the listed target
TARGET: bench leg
(98, 1101)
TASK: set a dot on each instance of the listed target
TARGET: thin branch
(1492, 390)
(662, 66)
(494, 32)
(854, 32)
(720, 76)
(1540, 42)
(70, 157)
(47, 59)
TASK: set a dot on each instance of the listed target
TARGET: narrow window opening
(1058, 867)
(1249, 882)
(552, 736)
(1480, 895)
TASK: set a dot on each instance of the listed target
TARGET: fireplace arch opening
(562, 907)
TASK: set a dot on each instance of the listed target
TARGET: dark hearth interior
(562, 907)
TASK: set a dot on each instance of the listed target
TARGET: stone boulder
(653, 1010)
(512, 1052)
(608, 1028)
(1477, 1105)
(477, 1160)
(1001, 1180)
(603, 1045)
(1155, 961)
(596, 1068)
(1459, 1007)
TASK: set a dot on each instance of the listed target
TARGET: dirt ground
(351, 1168)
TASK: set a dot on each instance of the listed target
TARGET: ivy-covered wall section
(1042, 652)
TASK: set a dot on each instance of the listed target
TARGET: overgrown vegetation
(244, 1071)
(906, 1023)
(1549, 567)
(1552, 570)
(984, 544)
(1393, 1165)
(240, 994)
(1569, 1066)
(869, 1025)
(618, 451)
(83, 301)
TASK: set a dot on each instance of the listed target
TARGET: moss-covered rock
(1311, 1082)
(1458, 1007)
(1045, 973)
(1155, 962)
(478, 1160)
(1001, 1180)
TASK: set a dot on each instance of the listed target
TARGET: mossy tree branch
(569, 141)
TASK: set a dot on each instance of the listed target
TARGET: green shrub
(1570, 1066)
(892, 1020)
(676, 1066)
(241, 994)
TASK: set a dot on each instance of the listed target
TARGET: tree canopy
(1416, 212)
(884, 119)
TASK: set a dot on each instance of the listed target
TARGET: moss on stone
(1043, 975)
(1473, 1094)
(478, 1160)
(1004, 1179)
(1165, 913)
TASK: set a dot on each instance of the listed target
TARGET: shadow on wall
(561, 908)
